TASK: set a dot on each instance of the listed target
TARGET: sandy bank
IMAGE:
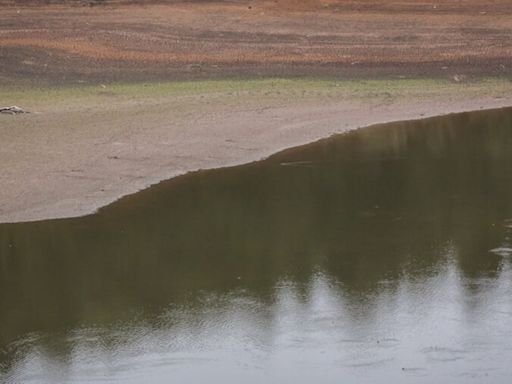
(85, 147)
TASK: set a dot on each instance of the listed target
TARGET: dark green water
(383, 255)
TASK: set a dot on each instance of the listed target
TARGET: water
(382, 255)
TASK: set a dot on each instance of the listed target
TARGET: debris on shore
(14, 110)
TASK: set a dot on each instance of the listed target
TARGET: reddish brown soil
(123, 41)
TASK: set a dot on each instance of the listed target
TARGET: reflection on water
(383, 254)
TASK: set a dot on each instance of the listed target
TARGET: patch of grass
(271, 88)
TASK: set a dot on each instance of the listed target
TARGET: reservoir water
(381, 255)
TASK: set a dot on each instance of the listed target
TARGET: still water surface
(382, 255)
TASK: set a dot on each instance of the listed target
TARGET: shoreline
(102, 144)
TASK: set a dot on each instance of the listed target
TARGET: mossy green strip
(11, 95)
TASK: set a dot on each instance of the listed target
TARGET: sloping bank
(83, 147)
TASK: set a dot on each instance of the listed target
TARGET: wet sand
(81, 150)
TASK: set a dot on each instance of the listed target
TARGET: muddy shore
(80, 151)
(126, 95)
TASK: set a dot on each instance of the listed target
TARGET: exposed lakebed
(381, 255)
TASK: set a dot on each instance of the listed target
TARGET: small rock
(14, 110)
(458, 78)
